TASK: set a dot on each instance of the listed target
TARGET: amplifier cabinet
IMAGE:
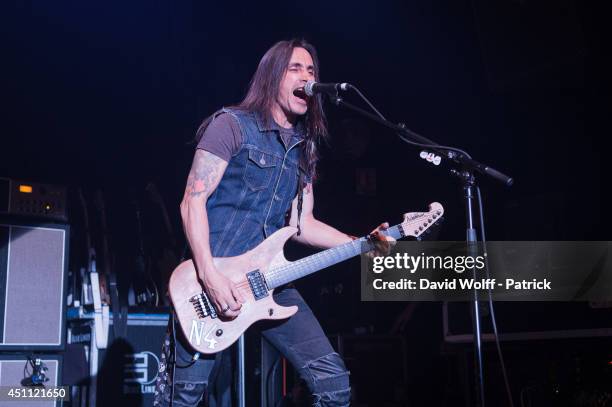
(33, 265)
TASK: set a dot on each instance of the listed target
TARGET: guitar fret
(303, 267)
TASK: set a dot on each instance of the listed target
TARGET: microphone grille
(308, 88)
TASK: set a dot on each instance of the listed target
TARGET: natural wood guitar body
(211, 335)
(256, 273)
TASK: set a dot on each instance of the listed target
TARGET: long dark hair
(263, 92)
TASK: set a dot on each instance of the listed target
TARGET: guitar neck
(290, 272)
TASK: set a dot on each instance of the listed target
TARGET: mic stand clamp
(466, 176)
(335, 99)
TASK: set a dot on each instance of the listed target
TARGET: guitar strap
(300, 203)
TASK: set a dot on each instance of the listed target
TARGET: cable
(193, 359)
(25, 367)
(174, 361)
(368, 102)
(457, 150)
(491, 308)
(37, 377)
(269, 379)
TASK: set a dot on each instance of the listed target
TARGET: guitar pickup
(258, 284)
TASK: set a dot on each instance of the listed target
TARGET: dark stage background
(108, 95)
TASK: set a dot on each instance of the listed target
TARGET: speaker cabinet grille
(33, 261)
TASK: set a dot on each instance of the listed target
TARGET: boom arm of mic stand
(468, 181)
(467, 162)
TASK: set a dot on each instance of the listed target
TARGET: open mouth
(300, 93)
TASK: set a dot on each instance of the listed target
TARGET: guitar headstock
(417, 223)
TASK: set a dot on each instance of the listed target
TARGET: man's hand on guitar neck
(223, 293)
(382, 243)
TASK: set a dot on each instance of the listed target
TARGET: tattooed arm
(206, 172)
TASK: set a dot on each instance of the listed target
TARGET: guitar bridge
(202, 306)
(258, 284)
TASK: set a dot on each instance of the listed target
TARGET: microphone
(312, 88)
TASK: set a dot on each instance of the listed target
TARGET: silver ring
(224, 310)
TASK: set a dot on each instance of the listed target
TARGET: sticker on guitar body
(199, 331)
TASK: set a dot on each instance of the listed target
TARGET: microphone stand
(466, 175)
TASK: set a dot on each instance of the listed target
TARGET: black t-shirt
(223, 137)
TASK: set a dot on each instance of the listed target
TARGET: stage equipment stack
(34, 240)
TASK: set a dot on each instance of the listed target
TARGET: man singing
(251, 175)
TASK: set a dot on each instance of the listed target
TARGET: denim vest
(257, 188)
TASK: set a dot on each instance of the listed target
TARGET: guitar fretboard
(290, 272)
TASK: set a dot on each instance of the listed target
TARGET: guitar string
(302, 264)
(318, 259)
(315, 260)
(306, 262)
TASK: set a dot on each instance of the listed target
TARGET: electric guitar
(257, 273)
